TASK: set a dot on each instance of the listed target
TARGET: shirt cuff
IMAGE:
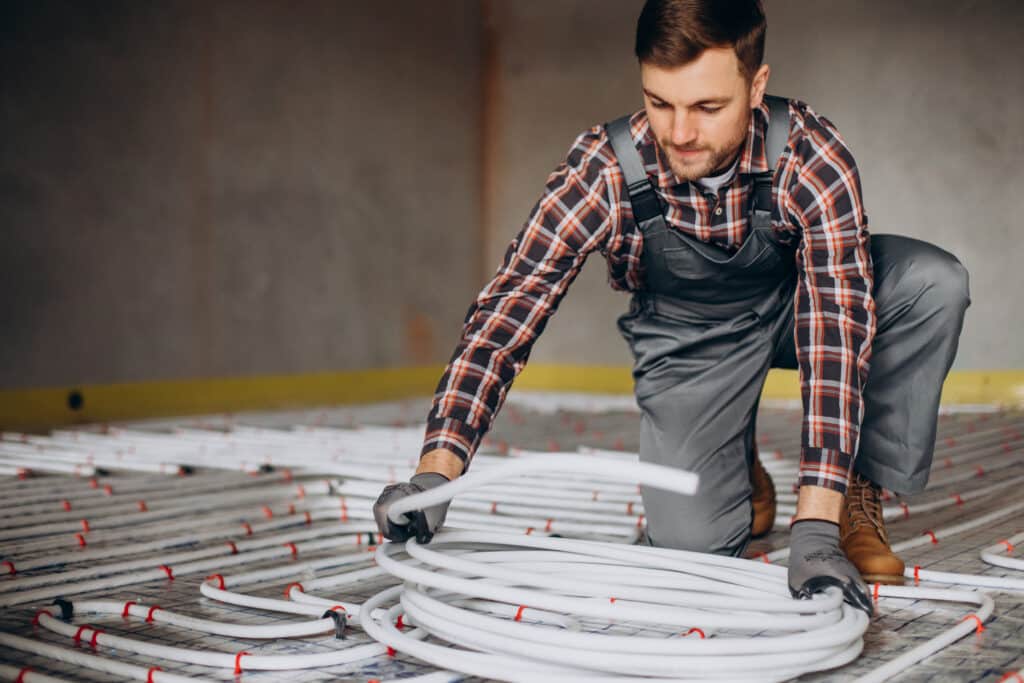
(825, 467)
(454, 435)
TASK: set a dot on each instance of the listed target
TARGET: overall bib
(709, 324)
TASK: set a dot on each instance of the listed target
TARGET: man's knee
(946, 282)
(935, 278)
(722, 536)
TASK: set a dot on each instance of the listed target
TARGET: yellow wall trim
(44, 408)
(1001, 387)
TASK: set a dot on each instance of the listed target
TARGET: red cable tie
(398, 622)
(10, 565)
(66, 504)
(494, 508)
(95, 634)
(108, 490)
(529, 530)
(547, 527)
(519, 613)
(142, 506)
(291, 508)
(917, 574)
(293, 549)
(85, 525)
(948, 462)
(288, 589)
(763, 556)
(309, 519)
(149, 674)
(35, 619)
(149, 615)
(21, 675)
(300, 491)
(612, 600)
(1009, 549)
(287, 474)
(391, 651)
(906, 510)
(167, 570)
(640, 522)
(81, 540)
(78, 634)
(267, 512)
(238, 662)
(127, 606)
(93, 484)
(935, 541)
(957, 499)
(950, 442)
(248, 528)
(359, 538)
(344, 511)
(977, 619)
(220, 580)
(980, 471)
(234, 548)
(695, 630)
(876, 592)
(24, 472)
(629, 508)
(1012, 675)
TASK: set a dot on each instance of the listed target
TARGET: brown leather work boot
(863, 537)
(762, 499)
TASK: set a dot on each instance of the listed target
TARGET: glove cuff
(429, 480)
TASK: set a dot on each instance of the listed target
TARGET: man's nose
(684, 130)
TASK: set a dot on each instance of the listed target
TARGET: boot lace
(865, 506)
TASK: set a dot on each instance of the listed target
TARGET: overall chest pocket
(758, 258)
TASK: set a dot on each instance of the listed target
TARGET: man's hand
(816, 562)
(422, 524)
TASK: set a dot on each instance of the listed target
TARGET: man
(737, 223)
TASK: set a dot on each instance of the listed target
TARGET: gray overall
(708, 325)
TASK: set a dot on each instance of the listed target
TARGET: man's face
(700, 112)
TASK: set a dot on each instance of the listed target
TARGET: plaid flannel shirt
(584, 208)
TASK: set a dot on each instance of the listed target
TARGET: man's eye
(659, 105)
(710, 110)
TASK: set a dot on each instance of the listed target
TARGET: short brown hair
(671, 33)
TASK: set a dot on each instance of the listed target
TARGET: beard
(708, 161)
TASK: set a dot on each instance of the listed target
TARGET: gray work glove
(816, 562)
(422, 523)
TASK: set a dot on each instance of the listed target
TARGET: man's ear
(758, 85)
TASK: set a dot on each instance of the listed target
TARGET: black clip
(340, 622)
(67, 610)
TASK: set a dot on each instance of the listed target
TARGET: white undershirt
(712, 184)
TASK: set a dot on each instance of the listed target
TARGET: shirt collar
(752, 156)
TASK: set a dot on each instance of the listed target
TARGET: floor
(979, 459)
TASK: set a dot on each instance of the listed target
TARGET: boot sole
(884, 579)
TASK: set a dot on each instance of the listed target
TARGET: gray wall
(926, 93)
(193, 189)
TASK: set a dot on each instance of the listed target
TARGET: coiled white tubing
(761, 632)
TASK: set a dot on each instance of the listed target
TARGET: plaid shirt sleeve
(835, 311)
(571, 219)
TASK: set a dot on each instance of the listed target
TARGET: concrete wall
(925, 92)
(193, 189)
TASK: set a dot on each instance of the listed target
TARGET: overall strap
(643, 198)
(774, 143)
